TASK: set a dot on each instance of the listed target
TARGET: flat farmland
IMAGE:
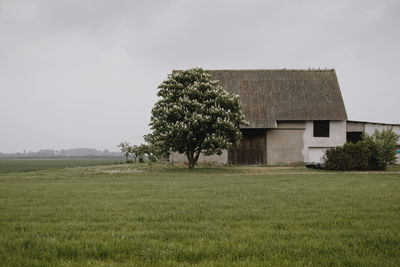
(154, 215)
(34, 164)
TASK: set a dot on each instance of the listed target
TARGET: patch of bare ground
(115, 169)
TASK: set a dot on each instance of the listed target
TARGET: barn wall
(284, 144)
(291, 125)
(371, 127)
(293, 142)
(252, 149)
(213, 159)
(355, 127)
(314, 147)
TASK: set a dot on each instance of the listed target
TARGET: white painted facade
(370, 128)
(314, 147)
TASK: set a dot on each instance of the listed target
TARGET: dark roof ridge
(236, 70)
(373, 122)
(271, 69)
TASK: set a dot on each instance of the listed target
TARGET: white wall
(371, 127)
(284, 145)
(314, 147)
(352, 126)
(214, 159)
(315, 154)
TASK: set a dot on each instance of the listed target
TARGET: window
(353, 136)
(321, 128)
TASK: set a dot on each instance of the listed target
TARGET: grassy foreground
(135, 215)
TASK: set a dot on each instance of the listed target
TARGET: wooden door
(252, 148)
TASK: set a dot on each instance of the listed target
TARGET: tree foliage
(137, 152)
(350, 156)
(141, 151)
(194, 115)
(126, 149)
(383, 146)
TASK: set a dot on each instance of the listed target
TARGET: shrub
(350, 156)
(383, 145)
(373, 152)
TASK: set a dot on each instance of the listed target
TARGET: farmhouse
(293, 115)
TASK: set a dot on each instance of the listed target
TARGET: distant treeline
(74, 152)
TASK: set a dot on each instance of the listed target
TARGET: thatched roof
(271, 95)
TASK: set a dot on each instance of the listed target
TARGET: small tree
(126, 149)
(132, 152)
(140, 152)
(145, 150)
(383, 147)
(195, 115)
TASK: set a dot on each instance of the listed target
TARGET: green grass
(140, 215)
(34, 164)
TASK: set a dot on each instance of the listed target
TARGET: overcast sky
(84, 73)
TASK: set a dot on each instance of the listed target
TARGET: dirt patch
(122, 171)
(114, 169)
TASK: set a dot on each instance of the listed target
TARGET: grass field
(34, 164)
(140, 215)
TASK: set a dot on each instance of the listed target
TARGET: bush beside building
(373, 152)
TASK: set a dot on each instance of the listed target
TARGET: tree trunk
(191, 164)
(192, 158)
(196, 158)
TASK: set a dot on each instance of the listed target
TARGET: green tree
(195, 115)
(126, 149)
(140, 151)
(145, 150)
(383, 146)
(132, 152)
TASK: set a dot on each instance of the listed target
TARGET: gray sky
(84, 73)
